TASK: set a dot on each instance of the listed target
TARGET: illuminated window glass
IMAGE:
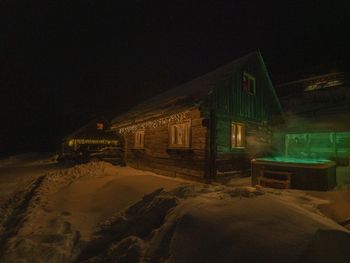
(179, 135)
(99, 126)
(139, 139)
(238, 135)
(248, 83)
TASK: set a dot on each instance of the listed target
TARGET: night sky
(64, 62)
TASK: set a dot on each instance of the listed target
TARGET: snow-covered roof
(90, 131)
(183, 96)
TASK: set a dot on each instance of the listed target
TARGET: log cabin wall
(257, 143)
(254, 110)
(158, 157)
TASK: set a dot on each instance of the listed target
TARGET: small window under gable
(99, 126)
(248, 83)
(179, 135)
(139, 139)
(237, 135)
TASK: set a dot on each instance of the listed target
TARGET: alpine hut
(212, 125)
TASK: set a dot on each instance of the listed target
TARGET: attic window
(139, 140)
(99, 126)
(179, 135)
(237, 135)
(248, 83)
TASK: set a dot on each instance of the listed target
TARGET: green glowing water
(285, 159)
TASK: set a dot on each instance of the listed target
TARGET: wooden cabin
(93, 140)
(207, 127)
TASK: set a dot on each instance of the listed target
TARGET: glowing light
(91, 141)
(284, 159)
(178, 117)
(323, 84)
(237, 132)
(318, 145)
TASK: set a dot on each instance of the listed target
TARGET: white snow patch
(202, 223)
(98, 212)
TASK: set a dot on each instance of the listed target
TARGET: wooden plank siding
(228, 97)
(158, 157)
(232, 104)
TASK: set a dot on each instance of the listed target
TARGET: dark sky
(62, 62)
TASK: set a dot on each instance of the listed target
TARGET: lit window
(139, 139)
(248, 83)
(238, 135)
(179, 135)
(99, 126)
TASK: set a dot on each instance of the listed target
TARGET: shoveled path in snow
(16, 177)
(100, 191)
(90, 200)
(56, 212)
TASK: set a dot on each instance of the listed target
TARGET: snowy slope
(97, 212)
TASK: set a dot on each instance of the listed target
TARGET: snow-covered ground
(18, 171)
(97, 212)
(27, 160)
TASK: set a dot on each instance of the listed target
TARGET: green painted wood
(228, 95)
(232, 104)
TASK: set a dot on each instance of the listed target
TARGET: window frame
(252, 79)
(187, 144)
(142, 144)
(234, 135)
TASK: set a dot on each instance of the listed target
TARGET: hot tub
(286, 172)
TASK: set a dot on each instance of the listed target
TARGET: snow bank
(43, 222)
(189, 223)
(30, 231)
(201, 223)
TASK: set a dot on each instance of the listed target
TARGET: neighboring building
(93, 140)
(317, 111)
(211, 125)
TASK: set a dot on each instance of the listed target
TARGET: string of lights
(177, 117)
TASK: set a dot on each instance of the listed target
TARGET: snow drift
(190, 223)
(202, 223)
